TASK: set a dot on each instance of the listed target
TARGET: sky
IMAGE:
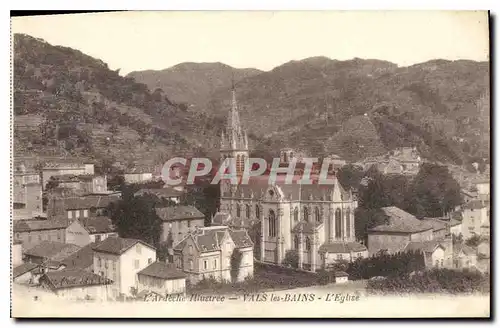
(133, 41)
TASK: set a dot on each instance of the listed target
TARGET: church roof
(256, 188)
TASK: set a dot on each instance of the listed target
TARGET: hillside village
(93, 219)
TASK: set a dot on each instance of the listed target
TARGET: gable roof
(100, 224)
(206, 239)
(52, 250)
(118, 245)
(241, 238)
(180, 212)
(74, 278)
(23, 268)
(423, 246)
(38, 225)
(162, 270)
(81, 259)
(401, 221)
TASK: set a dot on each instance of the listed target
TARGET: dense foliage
(433, 281)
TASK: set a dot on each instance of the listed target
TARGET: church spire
(234, 134)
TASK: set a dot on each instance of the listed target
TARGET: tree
(291, 258)
(434, 192)
(135, 217)
(236, 258)
(350, 176)
(473, 241)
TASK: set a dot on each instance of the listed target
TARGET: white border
(182, 5)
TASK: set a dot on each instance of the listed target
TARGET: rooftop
(38, 225)
(342, 247)
(100, 224)
(117, 245)
(52, 250)
(81, 259)
(423, 246)
(179, 212)
(74, 278)
(23, 268)
(401, 221)
(87, 202)
(162, 270)
(160, 192)
(475, 205)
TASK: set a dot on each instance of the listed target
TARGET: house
(27, 191)
(120, 259)
(165, 193)
(476, 214)
(161, 278)
(84, 231)
(49, 254)
(76, 285)
(433, 251)
(137, 176)
(341, 277)
(26, 273)
(33, 232)
(482, 187)
(206, 253)
(347, 251)
(440, 229)
(464, 257)
(178, 221)
(17, 253)
(65, 167)
(82, 259)
(336, 161)
(81, 207)
(400, 229)
(83, 184)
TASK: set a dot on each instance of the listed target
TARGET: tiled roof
(208, 239)
(37, 225)
(87, 202)
(306, 227)
(401, 221)
(74, 278)
(117, 245)
(241, 238)
(81, 259)
(160, 192)
(256, 188)
(52, 250)
(221, 218)
(342, 247)
(180, 212)
(423, 246)
(162, 270)
(100, 224)
(454, 222)
(436, 223)
(475, 205)
(23, 268)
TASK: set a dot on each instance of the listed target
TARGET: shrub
(291, 259)
(236, 257)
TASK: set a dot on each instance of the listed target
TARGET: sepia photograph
(251, 164)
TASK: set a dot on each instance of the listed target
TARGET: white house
(161, 278)
(120, 259)
(434, 252)
(476, 214)
(84, 231)
(77, 284)
(206, 253)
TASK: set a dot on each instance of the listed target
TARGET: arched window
(348, 222)
(296, 214)
(317, 215)
(306, 214)
(257, 211)
(272, 223)
(308, 244)
(296, 242)
(248, 211)
(338, 223)
(238, 210)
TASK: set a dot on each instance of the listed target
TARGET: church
(316, 222)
